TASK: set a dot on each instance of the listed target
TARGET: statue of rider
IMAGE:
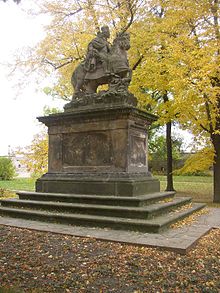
(98, 52)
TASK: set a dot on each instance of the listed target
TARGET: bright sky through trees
(18, 111)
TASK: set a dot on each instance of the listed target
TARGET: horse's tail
(73, 78)
(78, 77)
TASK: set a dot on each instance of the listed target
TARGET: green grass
(200, 188)
(203, 179)
(18, 184)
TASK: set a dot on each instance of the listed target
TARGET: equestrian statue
(104, 64)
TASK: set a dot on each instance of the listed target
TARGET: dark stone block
(98, 186)
(98, 151)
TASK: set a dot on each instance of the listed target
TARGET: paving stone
(179, 239)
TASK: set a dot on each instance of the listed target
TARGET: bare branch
(202, 126)
(47, 61)
(207, 21)
(208, 112)
(77, 50)
(131, 18)
(113, 21)
(138, 62)
(69, 14)
(75, 12)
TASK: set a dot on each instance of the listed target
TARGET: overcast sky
(18, 112)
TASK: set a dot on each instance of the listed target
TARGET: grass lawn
(200, 188)
(18, 184)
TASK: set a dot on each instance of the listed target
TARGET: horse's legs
(79, 86)
(78, 78)
(91, 86)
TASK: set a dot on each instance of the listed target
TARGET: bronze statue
(104, 64)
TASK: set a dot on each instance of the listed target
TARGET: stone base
(98, 146)
(98, 186)
(100, 100)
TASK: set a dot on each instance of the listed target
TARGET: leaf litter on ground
(33, 261)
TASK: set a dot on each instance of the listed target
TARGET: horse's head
(122, 40)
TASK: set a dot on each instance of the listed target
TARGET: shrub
(36, 155)
(7, 169)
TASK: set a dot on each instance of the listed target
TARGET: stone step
(97, 199)
(148, 226)
(145, 212)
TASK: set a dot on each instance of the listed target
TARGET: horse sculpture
(119, 75)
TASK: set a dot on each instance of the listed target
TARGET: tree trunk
(215, 137)
(169, 158)
(169, 152)
(216, 168)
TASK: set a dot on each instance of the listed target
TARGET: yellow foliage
(200, 161)
(175, 44)
(73, 25)
(36, 155)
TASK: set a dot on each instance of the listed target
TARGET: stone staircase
(151, 213)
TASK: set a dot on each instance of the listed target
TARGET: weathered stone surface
(102, 99)
(104, 64)
(101, 186)
(102, 151)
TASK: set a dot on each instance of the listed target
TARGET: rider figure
(98, 51)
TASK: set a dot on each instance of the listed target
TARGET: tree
(163, 98)
(73, 25)
(7, 169)
(158, 149)
(200, 161)
(193, 30)
(176, 52)
(183, 59)
(36, 155)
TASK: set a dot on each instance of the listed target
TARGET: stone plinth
(100, 150)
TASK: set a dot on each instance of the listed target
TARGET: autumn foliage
(175, 51)
(35, 155)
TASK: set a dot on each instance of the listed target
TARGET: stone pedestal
(98, 149)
